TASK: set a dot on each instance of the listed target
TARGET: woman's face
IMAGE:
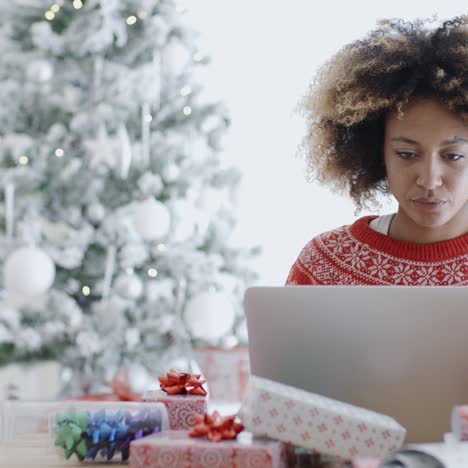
(426, 159)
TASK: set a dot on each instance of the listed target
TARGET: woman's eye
(455, 156)
(405, 154)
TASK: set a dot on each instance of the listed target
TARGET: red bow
(179, 383)
(215, 427)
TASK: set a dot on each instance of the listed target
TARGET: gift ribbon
(179, 383)
(215, 427)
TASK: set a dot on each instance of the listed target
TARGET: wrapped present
(183, 395)
(176, 449)
(365, 462)
(459, 422)
(315, 422)
(226, 370)
(102, 432)
(47, 433)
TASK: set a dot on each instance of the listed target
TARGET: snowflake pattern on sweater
(358, 255)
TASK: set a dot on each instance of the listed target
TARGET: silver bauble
(128, 285)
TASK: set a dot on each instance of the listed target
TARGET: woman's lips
(429, 205)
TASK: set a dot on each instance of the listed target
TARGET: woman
(389, 114)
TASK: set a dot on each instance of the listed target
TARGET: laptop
(401, 351)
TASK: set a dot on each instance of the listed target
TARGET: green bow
(69, 429)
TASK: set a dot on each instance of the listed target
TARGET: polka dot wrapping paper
(315, 422)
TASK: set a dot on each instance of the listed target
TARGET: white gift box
(315, 422)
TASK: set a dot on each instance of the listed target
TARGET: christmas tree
(117, 203)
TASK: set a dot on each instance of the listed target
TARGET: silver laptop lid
(401, 351)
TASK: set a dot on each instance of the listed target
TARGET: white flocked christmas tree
(117, 206)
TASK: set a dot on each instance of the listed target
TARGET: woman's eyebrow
(445, 142)
(405, 140)
(455, 140)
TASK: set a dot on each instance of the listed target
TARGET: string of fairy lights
(50, 15)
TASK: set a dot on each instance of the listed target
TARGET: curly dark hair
(351, 95)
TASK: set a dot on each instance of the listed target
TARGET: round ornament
(40, 71)
(95, 212)
(28, 271)
(170, 173)
(209, 315)
(128, 285)
(152, 219)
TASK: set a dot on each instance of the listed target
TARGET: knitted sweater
(358, 255)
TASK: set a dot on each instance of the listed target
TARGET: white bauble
(40, 71)
(28, 271)
(170, 173)
(152, 219)
(209, 315)
(128, 285)
(95, 212)
(57, 131)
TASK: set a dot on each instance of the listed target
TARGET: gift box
(365, 462)
(48, 433)
(180, 408)
(459, 422)
(227, 371)
(315, 422)
(176, 449)
(183, 395)
(104, 432)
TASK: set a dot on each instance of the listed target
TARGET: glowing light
(152, 273)
(49, 15)
(59, 152)
(161, 247)
(187, 110)
(23, 160)
(55, 8)
(131, 20)
(86, 290)
(148, 118)
(77, 4)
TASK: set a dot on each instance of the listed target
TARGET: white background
(264, 54)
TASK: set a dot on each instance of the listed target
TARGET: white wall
(264, 53)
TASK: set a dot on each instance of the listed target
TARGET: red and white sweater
(359, 255)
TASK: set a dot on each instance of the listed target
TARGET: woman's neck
(404, 228)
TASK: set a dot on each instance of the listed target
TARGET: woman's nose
(429, 175)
